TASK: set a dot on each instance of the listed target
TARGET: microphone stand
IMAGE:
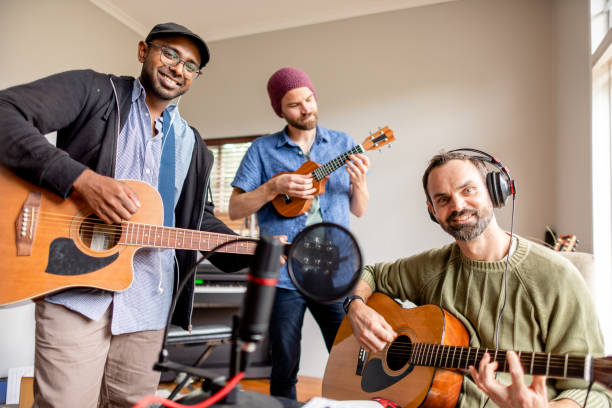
(213, 382)
(255, 316)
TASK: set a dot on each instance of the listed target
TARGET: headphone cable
(501, 312)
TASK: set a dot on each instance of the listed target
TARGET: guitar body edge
(26, 277)
(411, 386)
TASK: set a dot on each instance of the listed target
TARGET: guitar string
(235, 247)
(335, 163)
(142, 236)
(68, 220)
(540, 360)
(180, 241)
(407, 347)
(132, 238)
(61, 219)
(116, 230)
(464, 362)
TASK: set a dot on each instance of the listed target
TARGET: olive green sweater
(548, 307)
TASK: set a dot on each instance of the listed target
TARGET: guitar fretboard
(550, 365)
(332, 165)
(155, 236)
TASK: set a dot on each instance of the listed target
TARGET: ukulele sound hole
(97, 235)
(399, 352)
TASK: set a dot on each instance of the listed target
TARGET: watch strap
(349, 300)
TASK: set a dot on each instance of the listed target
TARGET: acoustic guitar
(49, 244)
(423, 365)
(289, 206)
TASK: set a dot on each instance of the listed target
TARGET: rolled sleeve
(248, 177)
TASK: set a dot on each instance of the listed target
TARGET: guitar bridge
(361, 359)
(25, 225)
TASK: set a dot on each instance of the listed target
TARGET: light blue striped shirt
(145, 304)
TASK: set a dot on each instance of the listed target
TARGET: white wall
(466, 73)
(473, 73)
(500, 75)
(39, 38)
(572, 96)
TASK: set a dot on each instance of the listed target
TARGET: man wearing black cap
(94, 346)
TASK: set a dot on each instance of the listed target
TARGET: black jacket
(88, 110)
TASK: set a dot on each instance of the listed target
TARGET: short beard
(150, 83)
(305, 125)
(468, 232)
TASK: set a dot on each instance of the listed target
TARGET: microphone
(261, 288)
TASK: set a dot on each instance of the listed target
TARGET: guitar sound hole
(399, 352)
(98, 236)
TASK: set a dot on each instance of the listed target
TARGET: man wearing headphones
(485, 276)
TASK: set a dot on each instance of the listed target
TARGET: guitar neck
(155, 236)
(334, 164)
(550, 365)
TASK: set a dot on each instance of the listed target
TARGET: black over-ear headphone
(499, 183)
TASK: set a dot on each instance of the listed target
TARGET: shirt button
(148, 171)
(299, 153)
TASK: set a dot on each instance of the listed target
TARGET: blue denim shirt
(275, 153)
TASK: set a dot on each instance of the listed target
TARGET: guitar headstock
(602, 371)
(378, 139)
(566, 243)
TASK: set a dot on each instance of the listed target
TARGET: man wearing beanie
(95, 347)
(294, 99)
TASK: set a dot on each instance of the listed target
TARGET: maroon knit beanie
(284, 80)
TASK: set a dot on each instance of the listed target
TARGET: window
(601, 58)
(228, 153)
(601, 21)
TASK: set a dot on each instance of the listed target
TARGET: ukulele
(423, 366)
(288, 206)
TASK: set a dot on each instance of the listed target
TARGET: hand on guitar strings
(112, 200)
(369, 327)
(515, 395)
(357, 167)
(294, 185)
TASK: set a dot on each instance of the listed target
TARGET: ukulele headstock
(378, 139)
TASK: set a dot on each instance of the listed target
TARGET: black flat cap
(170, 29)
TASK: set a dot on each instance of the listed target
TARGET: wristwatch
(349, 299)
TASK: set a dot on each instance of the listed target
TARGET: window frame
(248, 225)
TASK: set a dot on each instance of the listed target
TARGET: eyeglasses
(171, 59)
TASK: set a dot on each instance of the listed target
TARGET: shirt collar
(283, 138)
(138, 92)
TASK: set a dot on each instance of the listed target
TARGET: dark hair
(443, 158)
